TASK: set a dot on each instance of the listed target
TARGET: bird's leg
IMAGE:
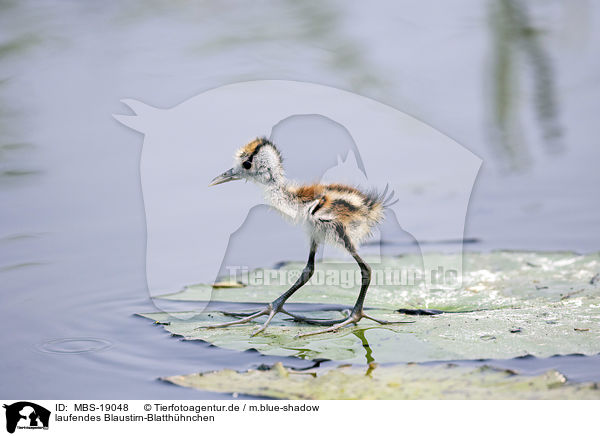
(357, 312)
(277, 305)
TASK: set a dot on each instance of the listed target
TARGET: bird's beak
(227, 176)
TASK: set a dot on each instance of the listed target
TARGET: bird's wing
(319, 210)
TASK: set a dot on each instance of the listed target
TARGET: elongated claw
(267, 322)
(236, 322)
(237, 314)
(271, 315)
(333, 328)
(336, 324)
(386, 322)
(319, 321)
(271, 310)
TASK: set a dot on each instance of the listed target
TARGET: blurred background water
(516, 82)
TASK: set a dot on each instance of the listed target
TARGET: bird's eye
(247, 164)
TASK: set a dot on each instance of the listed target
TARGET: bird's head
(258, 161)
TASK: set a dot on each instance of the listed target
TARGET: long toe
(236, 322)
(315, 321)
(335, 325)
(267, 322)
(237, 314)
(364, 315)
(333, 328)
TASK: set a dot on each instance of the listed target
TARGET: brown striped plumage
(340, 204)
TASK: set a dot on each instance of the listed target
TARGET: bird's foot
(335, 324)
(271, 310)
(246, 318)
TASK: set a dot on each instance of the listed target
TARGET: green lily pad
(390, 382)
(543, 330)
(521, 303)
(490, 281)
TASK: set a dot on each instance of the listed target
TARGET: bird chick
(333, 214)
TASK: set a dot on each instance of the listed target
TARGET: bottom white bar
(299, 417)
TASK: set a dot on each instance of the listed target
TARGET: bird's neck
(277, 194)
(275, 188)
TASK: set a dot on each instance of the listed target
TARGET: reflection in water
(267, 40)
(312, 23)
(19, 265)
(360, 334)
(302, 353)
(12, 153)
(516, 40)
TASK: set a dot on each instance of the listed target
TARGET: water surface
(515, 82)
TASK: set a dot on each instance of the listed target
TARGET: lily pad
(545, 329)
(520, 303)
(389, 382)
(490, 281)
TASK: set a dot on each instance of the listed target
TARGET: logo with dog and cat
(24, 415)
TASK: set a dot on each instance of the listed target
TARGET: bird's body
(320, 209)
(334, 214)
